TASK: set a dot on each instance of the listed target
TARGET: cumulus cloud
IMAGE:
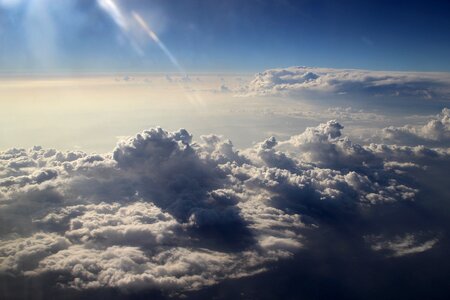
(436, 132)
(164, 212)
(297, 80)
(23, 253)
(131, 268)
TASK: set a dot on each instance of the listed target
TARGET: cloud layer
(352, 83)
(164, 212)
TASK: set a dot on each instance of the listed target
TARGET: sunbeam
(156, 39)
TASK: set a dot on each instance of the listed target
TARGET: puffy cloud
(436, 132)
(164, 212)
(23, 253)
(295, 80)
(325, 147)
(115, 224)
(165, 168)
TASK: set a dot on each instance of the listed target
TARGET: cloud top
(164, 212)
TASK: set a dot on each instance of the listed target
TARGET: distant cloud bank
(297, 80)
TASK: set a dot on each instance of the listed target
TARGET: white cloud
(23, 253)
(164, 212)
(139, 222)
(129, 268)
(436, 132)
(295, 80)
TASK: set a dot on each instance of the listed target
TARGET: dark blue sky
(227, 35)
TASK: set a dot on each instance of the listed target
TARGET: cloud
(347, 114)
(320, 81)
(401, 245)
(23, 253)
(164, 212)
(139, 222)
(223, 89)
(436, 132)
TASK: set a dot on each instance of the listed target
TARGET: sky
(224, 149)
(77, 35)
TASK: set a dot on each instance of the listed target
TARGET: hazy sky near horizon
(93, 112)
(103, 35)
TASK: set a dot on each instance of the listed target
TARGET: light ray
(156, 39)
(115, 13)
(125, 22)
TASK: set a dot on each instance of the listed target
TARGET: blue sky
(79, 35)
